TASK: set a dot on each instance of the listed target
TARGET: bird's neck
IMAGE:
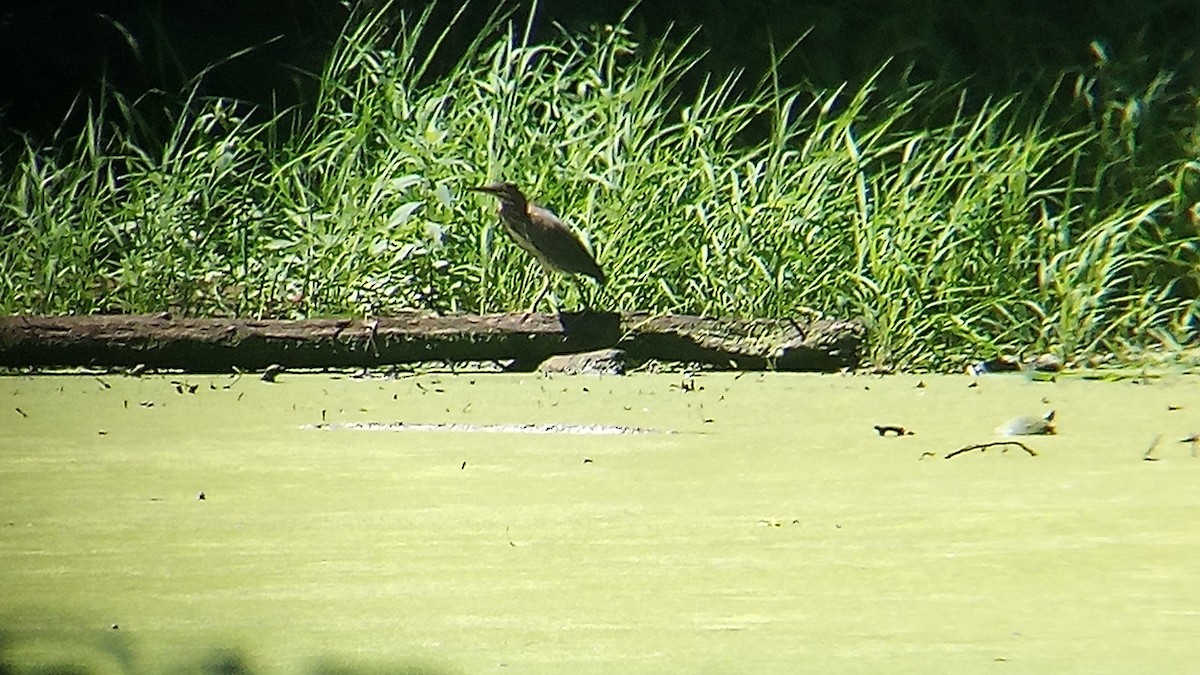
(516, 208)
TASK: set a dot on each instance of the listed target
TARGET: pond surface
(763, 527)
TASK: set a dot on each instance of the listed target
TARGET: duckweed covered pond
(764, 527)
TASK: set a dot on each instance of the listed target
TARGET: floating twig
(993, 444)
(1194, 439)
(1146, 457)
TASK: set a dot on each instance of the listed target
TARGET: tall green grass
(953, 227)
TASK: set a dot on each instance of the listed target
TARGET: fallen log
(219, 345)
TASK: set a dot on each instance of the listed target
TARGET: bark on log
(218, 345)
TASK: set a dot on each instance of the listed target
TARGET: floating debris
(579, 429)
(1001, 364)
(1148, 456)
(982, 447)
(1194, 439)
(885, 429)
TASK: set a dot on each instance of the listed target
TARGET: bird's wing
(558, 243)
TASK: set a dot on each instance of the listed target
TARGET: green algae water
(761, 524)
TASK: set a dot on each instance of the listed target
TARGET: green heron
(542, 234)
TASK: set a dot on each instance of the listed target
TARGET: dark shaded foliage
(65, 48)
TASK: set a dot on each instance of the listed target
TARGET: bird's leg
(590, 293)
(581, 289)
(541, 294)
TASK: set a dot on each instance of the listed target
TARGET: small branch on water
(982, 447)
(1148, 456)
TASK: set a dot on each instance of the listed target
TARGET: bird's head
(506, 192)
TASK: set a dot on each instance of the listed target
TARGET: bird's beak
(483, 188)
